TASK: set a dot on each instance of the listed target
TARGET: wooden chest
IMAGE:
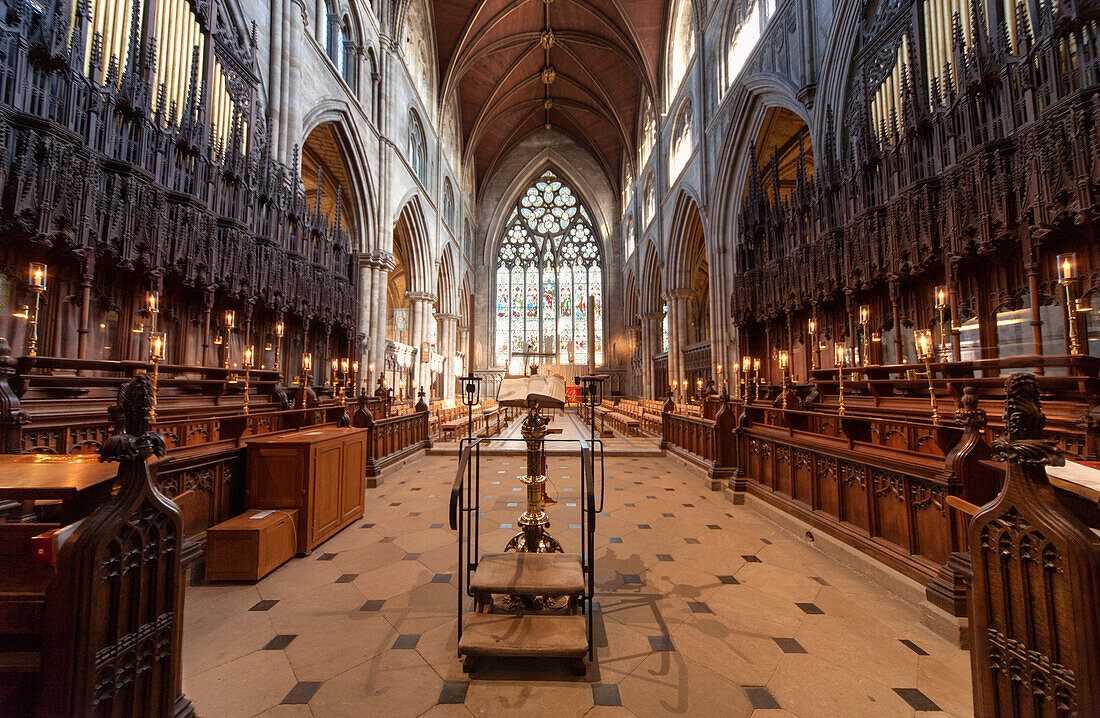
(245, 548)
(321, 472)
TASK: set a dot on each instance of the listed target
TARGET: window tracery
(418, 151)
(683, 142)
(548, 264)
(649, 201)
(682, 50)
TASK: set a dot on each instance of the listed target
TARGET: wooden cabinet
(321, 472)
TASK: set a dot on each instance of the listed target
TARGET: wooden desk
(79, 481)
(321, 472)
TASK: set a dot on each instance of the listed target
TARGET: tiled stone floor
(705, 609)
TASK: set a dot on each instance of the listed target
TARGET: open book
(545, 391)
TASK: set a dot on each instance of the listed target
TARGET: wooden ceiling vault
(581, 67)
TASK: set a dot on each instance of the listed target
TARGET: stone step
(539, 635)
(528, 574)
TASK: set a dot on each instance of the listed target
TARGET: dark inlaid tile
(415, 488)
(690, 506)
(651, 497)
(731, 580)
(699, 607)
(664, 557)
(631, 578)
(436, 526)
(386, 539)
(302, 693)
(760, 697)
(810, 608)
(669, 516)
(670, 489)
(415, 513)
(820, 580)
(373, 605)
(442, 578)
(367, 526)
(644, 526)
(914, 647)
(264, 605)
(763, 539)
(396, 503)
(630, 505)
(574, 526)
(454, 692)
(326, 557)
(714, 527)
(606, 694)
(280, 641)
(411, 557)
(917, 700)
(347, 578)
(789, 645)
(406, 642)
(661, 643)
(749, 558)
(691, 540)
(615, 539)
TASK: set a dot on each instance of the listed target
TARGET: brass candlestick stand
(840, 376)
(157, 352)
(1067, 277)
(38, 286)
(279, 330)
(230, 325)
(533, 537)
(784, 368)
(811, 345)
(924, 346)
(246, 363)
(945, 330)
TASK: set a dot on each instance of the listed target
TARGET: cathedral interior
(549, 358)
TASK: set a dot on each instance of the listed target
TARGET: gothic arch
(545, 160)
(331, 142)
(412, 243)
(681, 44)
(448, 300)
(650, 293)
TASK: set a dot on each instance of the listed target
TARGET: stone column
(448, 331)
(677, 337)
(380, 276)
(651, 330)
(420, 312)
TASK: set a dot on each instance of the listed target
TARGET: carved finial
(1024, 422)
(968, 414)
(131, 417)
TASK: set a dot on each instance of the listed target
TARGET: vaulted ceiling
(581, 67)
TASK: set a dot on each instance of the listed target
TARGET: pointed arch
(411, 243)
(333, 150)
(650, 299)
(680, 43)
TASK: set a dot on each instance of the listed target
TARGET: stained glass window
(664, 330)
(548, 266)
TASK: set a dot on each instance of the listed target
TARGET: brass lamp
(37, 283)
(158, 346)
(784, 368)
(247, 362)
(1067, 277)
(811, 345)
(355, 380)
(152, 300)
(923, 338)
(865, 344)
(230, 325)
(279, 329)
(840, 350)
(941, 306)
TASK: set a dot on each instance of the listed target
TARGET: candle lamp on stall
(784, 369)
(699, 389)
(158, 345)
(811, 326)
(840, 351)
(758, 381)
(247, 362)
(923, 340)
(942, 304)
(345, 373)
(230, 325)
(37, 283)
(1067, 277)
(152, 302)
(279, 331)
(746, 365)
(865, 339)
